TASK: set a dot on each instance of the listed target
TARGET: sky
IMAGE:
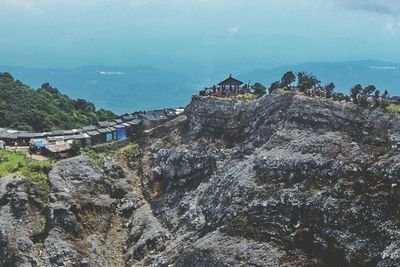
(176, 33)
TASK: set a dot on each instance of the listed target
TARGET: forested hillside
(44, 109)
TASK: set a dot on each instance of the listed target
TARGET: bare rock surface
(285, 180)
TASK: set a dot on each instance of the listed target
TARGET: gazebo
(226, 88)
(230, 84)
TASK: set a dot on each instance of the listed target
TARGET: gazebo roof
(231, 81)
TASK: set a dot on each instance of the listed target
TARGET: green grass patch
(130, 152)
(12, 162)
(246, 97)
(393, 108)
(93, 155)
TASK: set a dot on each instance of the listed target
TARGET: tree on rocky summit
(385, 95)
(377, 103)
(259, 89)
(287, 79)
(306, 81)
(365, 94)
(274, 86)
(377, 93)
(329, 88)
(354, 92)
(369, 90)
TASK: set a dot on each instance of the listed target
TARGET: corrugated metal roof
(104, 124)
(106, 130)
(30, 135)
(128, 117)
(89, 128)
(93, 133)
(85, 136)
(9, 134)
(135, 122)
(65, 137)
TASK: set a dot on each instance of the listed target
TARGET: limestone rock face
(21, 209)
(285, 180)
(309, 182)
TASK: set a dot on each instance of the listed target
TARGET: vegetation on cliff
(12, 162)
(44, 109)
(310, 85)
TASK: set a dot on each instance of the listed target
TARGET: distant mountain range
(128, 89)
(384, 75)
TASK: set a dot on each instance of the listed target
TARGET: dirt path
(38, 158)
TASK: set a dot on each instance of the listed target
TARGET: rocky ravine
(283, 181)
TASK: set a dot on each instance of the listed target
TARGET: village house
(95, 137)
(23, 138)
(59, 142)
(121, 132)
(106, 134)
(105, 124)
(136, 126)
(89, 128)
(154, 117)
(10, 137)
(127, 118)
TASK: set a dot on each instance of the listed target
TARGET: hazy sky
(66, 33)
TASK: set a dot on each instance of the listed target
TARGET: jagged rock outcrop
(313, 181)
(71, 226)
(286, 180)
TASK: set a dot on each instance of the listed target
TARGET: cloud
(111, 73)
(390, 28)
(25, 5)
(234, 29)
(384, 68)
(391, 7)
(138, 3)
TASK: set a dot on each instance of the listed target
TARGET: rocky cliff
(285, 180)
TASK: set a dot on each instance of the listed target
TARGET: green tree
(259, 89)
(287, 79)
(329, 88)
(44, 109)
(48, 88)
(273, 87)
(377, 103)
(365, 94)
(306, 81)
(385, 95)
(354, 92)
(369, 90)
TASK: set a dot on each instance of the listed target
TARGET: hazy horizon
(195, 43)
(238, 35)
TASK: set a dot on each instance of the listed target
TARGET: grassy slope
(11, 162)
(393, 108)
